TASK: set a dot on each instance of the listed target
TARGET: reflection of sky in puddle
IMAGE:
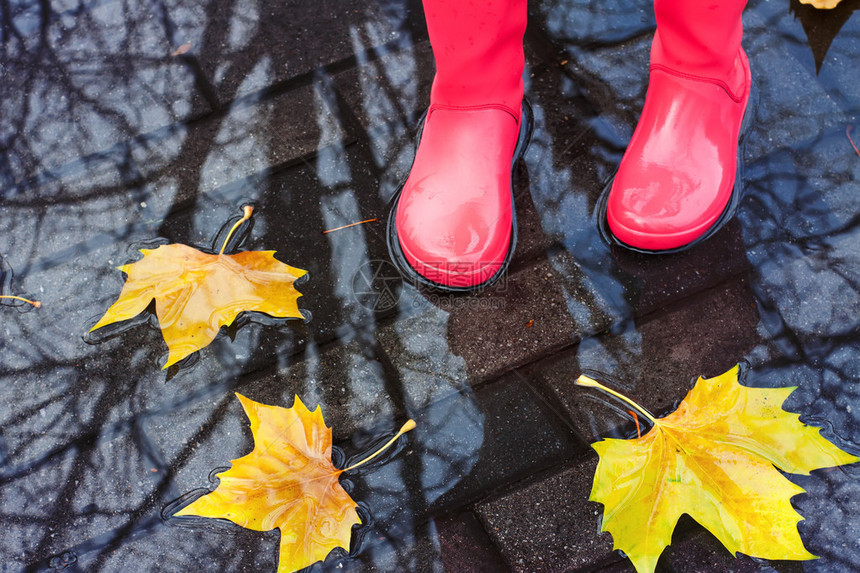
(111, 142)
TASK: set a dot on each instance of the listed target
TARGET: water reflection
(822, 26)
(109, 140)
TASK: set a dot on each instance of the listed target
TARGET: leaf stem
(591, 383)
(35, 303)
(248, 210)
(635, 419)
(409, 425)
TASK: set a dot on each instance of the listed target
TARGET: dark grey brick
(246, 46)
(522, 319)
(416, 343)
(579, 24)
(389, 93)
(549, 525)
(522, 436)
(344, 378)
(466, 547)
(80, 78)
(656, 361)
(696, 550)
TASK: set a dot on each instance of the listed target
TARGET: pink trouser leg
(700, 37)
(478, 48)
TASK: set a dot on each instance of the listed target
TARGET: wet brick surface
(655, 361)
(466, 546)
(547, 525)
(522, 436)
(123, 123)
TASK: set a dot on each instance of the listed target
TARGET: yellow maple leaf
(197, 293)
(715, 459)
(288, 482)
(822, 4)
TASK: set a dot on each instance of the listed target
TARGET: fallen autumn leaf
(715, 458)
(288, 482)
(197, 293)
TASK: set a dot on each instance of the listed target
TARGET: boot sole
(395, 253)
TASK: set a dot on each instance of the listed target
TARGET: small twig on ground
(350, 225)
(848, 135)
(181, 50)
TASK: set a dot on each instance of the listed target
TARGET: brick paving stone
(521, 319)
(388, 94)
(345, 378)
(625, 68)
(416, 343)
(466, 547)
(661, 281)
(533, 244)
(623, 566)
(655, 361)
(521, 436)
(79, 79)
(615, 285)
(252, 136)
(566, 154)
(90, 486)
(177, 545)
(385, 550)
(701, 551)
(127, 191)
(246, 46)
(549, 525)
(571, 23)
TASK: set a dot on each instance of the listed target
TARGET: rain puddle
(132, 126)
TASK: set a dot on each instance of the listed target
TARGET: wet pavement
(124, 123)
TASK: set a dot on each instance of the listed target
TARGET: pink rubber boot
(676, 182)
(453, 220)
